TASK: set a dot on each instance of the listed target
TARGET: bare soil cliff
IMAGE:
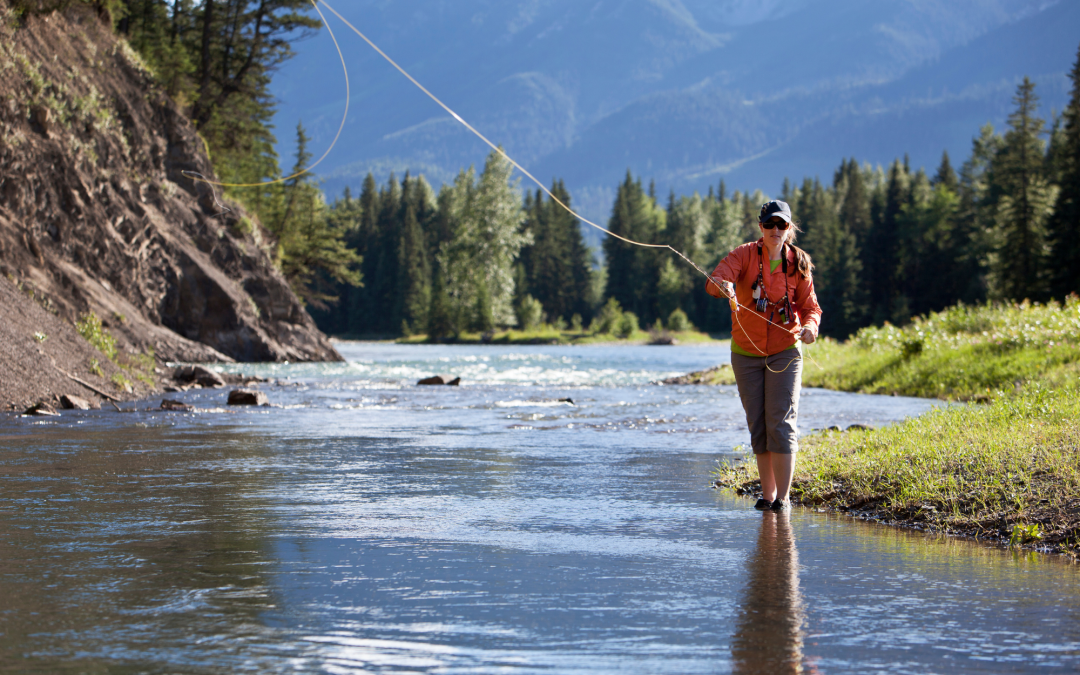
(97, 216)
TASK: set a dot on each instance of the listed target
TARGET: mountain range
(683, 92)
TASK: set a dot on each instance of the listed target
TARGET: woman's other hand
(808, 335)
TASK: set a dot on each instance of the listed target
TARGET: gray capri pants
(770, 399)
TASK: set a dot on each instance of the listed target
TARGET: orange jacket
(749, 330)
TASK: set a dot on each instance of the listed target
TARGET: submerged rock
(200, 376)
(70, 402)
(247, 397)
(41, 409)
(440, 379)
(170, 404)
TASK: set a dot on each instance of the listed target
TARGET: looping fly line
(523, 170)
(199, 178)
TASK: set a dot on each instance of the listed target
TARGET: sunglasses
(778, 223)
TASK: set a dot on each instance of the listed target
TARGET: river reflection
(769, 630)
(371, 526)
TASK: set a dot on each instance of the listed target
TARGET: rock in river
(70, 402)
(170, 404)
(41, 409)
(441, 379)
(247, 397)
(200, 376)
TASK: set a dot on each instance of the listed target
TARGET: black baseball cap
(775, 208)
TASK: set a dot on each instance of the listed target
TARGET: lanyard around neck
(761, 269)
(784, 303)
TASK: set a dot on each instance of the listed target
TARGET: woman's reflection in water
(769, 633)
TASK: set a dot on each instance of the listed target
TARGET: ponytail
(803, 264)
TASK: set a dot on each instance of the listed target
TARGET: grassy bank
(550, 335)
(962, 354)
(1007, 471)
(1004, 469)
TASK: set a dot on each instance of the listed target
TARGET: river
(366, 525)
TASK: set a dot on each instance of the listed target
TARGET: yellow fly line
(202, 179)
(493, 146)
(533, 178)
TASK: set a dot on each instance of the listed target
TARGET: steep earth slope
(97, 216)
(42, 358)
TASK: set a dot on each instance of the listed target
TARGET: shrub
(89, 326)
(608, 318)
(678, 321)
(529, 313)
(627, 326)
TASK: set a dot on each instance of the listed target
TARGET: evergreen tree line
(475, 257)
(895, 243)
(888, 244)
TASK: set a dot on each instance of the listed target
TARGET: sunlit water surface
(369, 525)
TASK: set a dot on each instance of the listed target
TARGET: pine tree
(688, 225)
(619, 255)
(881, 248)
(1023, 202)
(386, 309)
(911, 253)
(932, 273)
(478, 260)
(156, 29)
(413, 289)
(365, 242)
(311, 252)
(441, 323)
(343, 216)
(855, 202)
(974, 216)
(576, 271)
(1064, 225)
(945, 175)
(632, 270)
(835, 253)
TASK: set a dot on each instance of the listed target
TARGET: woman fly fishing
(773, 306)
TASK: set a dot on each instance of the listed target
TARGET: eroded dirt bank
(96, 215)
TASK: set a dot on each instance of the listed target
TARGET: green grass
(1005, 469)
(962, 353)
(139, 366)
(89, 326)
(999, 471)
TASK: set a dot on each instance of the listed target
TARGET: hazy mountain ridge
(686, 92)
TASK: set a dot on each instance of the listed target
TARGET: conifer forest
(889, 243)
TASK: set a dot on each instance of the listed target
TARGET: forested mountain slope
(683, 91)
(96, 214)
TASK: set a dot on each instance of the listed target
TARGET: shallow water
(369, 525)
